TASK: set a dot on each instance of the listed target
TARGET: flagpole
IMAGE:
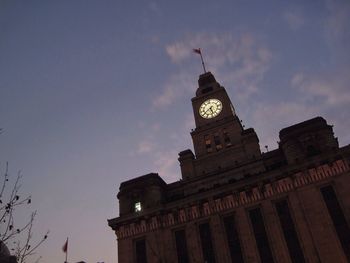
(198, 51)
(67, 252)
(202, 61)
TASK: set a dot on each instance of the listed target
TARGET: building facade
(236, 204)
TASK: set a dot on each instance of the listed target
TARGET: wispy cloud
(330, 84)
(176, 86)
(240, 61)
(145, 146)
(331, 87)
(154, 7)
(280, 115)
(294, 20)
(166, 160)
(324, 91)
(167, 165)
(163, 156)
(337, 23)
(180, 51)
(337, 30)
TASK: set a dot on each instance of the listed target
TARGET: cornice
(164, 218)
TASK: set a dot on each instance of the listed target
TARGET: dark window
(260, 236)
(207, 245)
(207, 143)
(181, 246)
(290, 234)
(338, 218)
(227, 139)
(217, 141)
(311, 150)
(233, 240)
(140, 249)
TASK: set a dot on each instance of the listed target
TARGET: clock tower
(219, 139)
(235, 204)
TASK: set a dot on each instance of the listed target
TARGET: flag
(65, 246)
(197, 50)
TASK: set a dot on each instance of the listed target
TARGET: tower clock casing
(209, 88)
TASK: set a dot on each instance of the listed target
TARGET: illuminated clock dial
(210, 108)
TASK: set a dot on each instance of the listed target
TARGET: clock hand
(209, 110)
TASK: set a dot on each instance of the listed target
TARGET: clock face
(210, 108)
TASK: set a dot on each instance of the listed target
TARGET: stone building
(236, 204)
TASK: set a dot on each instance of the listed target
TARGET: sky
(93, 93)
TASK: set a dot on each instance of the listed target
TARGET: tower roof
(206, 83)
(206, 78)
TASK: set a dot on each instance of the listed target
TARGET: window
(207, 245)
(227, 139)
(138, 207)
(290, 234)
(208, 143)
(260, 236)
(140, 251)
(217, 141)
(338, 218)
(311, 150)
(233, 240)
(181, 246)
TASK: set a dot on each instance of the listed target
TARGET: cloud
(327, 88)
(145, 146)
(178, 51)
(241, 62)
(154, 7)
(337, 24)
(286, 113)
(167, 165)
(181, 138)
(331, 87)
(294, 20)
(155, 127)
(219, 49)
(148, 143)
(337, 30)
(162, 157)
(189, 122)
(155, 39)
(279, 115)
(176, 86)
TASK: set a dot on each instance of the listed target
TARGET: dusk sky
(93, 93)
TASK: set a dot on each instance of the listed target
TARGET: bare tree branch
(18, 238)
